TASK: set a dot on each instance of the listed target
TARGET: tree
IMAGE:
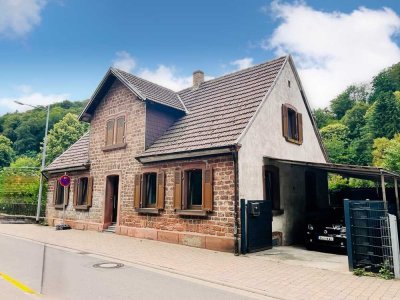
(383, 118)
(25, 162)
(6, 151)
(386, 153)
(386, 81)
(346, 100)
(64, 134)
(26, 129)
(323, 117)
(354, 119)
(336, 141)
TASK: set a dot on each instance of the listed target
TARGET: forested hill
(362, 124)
(26, 129)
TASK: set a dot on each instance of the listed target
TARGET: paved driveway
(299, 256)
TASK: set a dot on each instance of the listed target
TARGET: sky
(51, 50)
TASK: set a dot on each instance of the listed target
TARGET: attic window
(115, 133)
(292, 124)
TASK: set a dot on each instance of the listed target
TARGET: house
(172, 166)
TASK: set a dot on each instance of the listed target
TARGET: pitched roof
(152, 91)
(75, 156)
(218, 111)
(143, 89)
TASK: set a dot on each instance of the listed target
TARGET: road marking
(18, 284)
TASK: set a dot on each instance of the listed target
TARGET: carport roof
(362, 172)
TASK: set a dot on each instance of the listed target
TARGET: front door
(111, 200)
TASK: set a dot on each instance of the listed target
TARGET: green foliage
(336, 182)
(354, 119)
(384, 272)
(64, 134)
(25, 162)
(6, 151)
(386, 153)
(386, 81)
(383, 119)
(19, 185)
(336, 141)
(26, 130)
(346, 100)
(323, 117)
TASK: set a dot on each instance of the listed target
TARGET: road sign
(65, 180)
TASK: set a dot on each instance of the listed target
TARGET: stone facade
(214, 231)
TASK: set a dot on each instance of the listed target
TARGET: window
(59, 195)
(120, 132)
(193, 190)
(110, 133)
(149, 191)
(272, 188)
(292, 124)
(115, 132)
(83, 189)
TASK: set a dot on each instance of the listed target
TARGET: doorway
(111, 201)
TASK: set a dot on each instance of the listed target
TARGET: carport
(288, 185)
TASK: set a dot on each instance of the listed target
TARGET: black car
(326, 230)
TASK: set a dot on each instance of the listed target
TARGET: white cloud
(332, 49)
(18, 17)
(167, 77)
(28, 96)
(243, 63)
(124, 61)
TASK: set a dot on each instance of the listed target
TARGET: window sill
(191, 212)
(293, 141)
(81, 207)
(59, 206)
(114, 147)
(148, 210)
(277, 212)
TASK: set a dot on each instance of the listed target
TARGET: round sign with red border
(65, 180)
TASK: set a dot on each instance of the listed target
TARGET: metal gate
(256, 225)
(372, 238)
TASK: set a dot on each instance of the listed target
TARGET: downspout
(236, 199)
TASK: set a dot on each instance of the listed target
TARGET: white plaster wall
(264, 137)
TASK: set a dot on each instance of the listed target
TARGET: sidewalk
(252, 273)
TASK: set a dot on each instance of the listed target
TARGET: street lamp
(39, 202)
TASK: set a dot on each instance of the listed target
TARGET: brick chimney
(198, 79)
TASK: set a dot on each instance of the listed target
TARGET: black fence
(21, 209)
(368, 235)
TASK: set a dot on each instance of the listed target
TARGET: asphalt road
(69, 274)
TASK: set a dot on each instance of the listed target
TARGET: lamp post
(39, 202)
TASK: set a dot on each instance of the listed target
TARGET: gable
(263, 135)
(143, 89)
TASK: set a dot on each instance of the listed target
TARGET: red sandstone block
(192, 240)
(80, 226)
(167, 236)
(94, 226)
(219, 244)
(146, 233)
